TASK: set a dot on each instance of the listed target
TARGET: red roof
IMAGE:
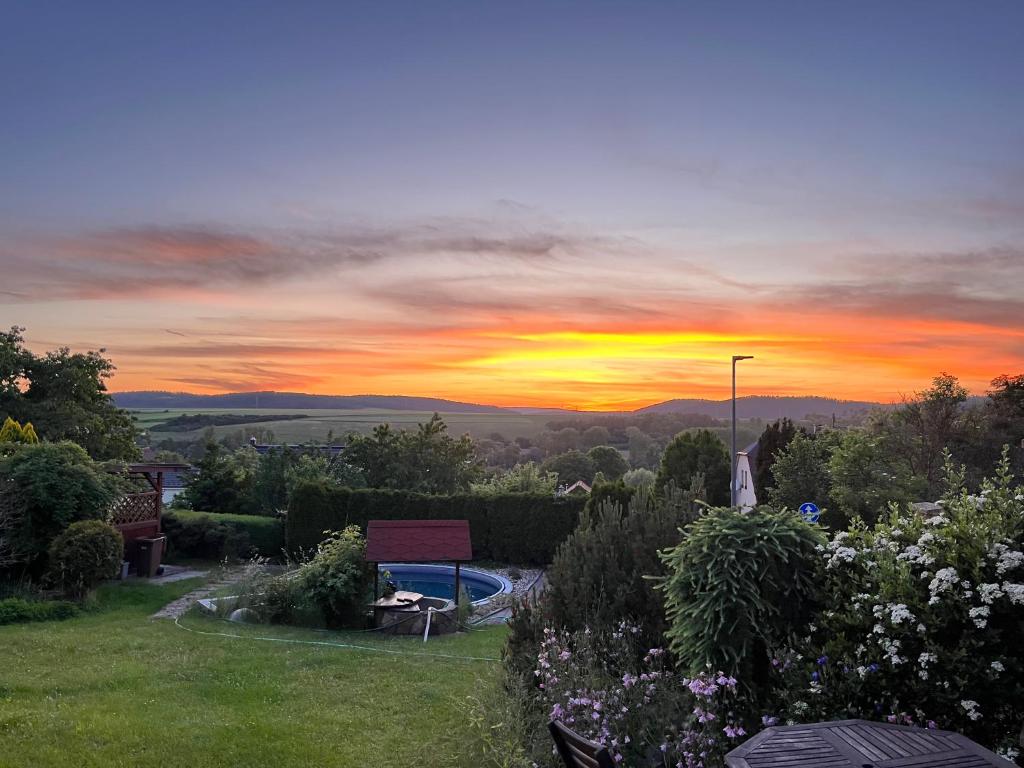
(417, 541)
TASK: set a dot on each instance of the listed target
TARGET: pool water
(439, 581)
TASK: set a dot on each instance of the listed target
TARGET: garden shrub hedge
(510, 528)
(215, 536)
(16, 610)
(86, 554)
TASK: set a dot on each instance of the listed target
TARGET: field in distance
(318, 422)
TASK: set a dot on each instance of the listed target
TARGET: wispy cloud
(519, 310)
(159, 260)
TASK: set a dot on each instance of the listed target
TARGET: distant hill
(296, 400)
(764, 407)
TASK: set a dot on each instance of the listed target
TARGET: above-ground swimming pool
(439, 580)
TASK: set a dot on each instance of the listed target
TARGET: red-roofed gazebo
(418, 541)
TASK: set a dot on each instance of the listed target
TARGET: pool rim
(505, 584)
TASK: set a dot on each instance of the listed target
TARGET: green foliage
(740, 584)
(801, 474)
(510, 528)
(13, 432)
(570, 467)
(330, 589)
(46, 487)
(926, 616)
(863, 481)
(595, 436)
(224, 481)
(775, 438)
(428, 459)
(608, 461)
(65, 396)
(522, 478)
(636, 478)
(214, 536)
(921, 429)
(17, 610)
(603, 573)
(697, 453)
(84, 555)
(644, 451)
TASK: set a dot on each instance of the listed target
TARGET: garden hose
(349, 646)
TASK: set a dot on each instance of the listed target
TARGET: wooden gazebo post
(457, 593)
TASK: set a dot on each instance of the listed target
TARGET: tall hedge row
(511, 528)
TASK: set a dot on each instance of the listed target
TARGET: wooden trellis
(134, 508)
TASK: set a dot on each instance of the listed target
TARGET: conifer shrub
(739, 585)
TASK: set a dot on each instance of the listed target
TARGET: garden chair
(578, 752)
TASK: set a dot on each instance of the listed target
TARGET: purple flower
(823, 660)
(769, 720)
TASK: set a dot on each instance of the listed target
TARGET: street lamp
(732, 462)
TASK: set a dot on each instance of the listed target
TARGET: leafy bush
(46, 487)
(925, 615)
(522, 478)
(510, 528)
(213, 536)
(224, 481)
(739, 585)
(637, 477)
(604, 572)
(697, 453)
(608, 461)
(84, 555)
(16, 610)
(570, 467)
(330, 589)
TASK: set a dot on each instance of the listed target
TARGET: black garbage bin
(148, 554)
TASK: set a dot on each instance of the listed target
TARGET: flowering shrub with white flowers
(923, 620)
(646, 714)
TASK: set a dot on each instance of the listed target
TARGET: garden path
(179, 607)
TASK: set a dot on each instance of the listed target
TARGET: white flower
(937, 520)
(1008, 559)
(989, 593)
(899, 613)
(997, 666)
(1015, 592)
(944, 580)
(927, 658)
(841, 555)
(971, 708)
(980, 616)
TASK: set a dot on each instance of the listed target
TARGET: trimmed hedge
(16, 610)
(509, 528)
(214, 536)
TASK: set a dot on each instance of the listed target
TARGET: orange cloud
(515, 316)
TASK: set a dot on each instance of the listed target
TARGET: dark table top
(861, 744)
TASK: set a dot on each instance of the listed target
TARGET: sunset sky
(588, 205)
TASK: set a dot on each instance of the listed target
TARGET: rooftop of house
(328, 450)
(418, 541)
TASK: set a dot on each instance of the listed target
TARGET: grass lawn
(115, 688)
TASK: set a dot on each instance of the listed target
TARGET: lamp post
(732, 461)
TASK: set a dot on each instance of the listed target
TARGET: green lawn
(115, 688)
